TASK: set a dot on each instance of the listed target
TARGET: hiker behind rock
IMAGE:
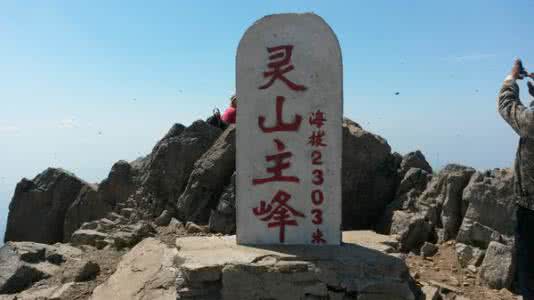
(227, 118)
(521, 119)
(229, 114)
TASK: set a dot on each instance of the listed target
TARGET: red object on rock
(229, 115)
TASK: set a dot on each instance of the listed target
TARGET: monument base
(361, 268)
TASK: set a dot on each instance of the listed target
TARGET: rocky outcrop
(217, 268)
(88, 206)
(112, 232)
(145, 272)
(490, 214)
(165, 172)
(37, 210)
(442, 200)
(369, 177)
(498, 268)
(416, 160)
(222, 219)
(426, 210)
(211, 173)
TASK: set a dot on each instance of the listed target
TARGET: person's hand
(518, 72)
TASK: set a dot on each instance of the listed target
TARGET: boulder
(24, 263)
(429, 249)
(490, 214)
(121, 182)
(211, 173)
(369, 177)
(414, 159)
(129, 235)
(37, 210)
(165, 172)
(412, 230)
(223, 218)
(89, 237)
(410, 188)
(217, 268)
(146, 272)
(468, 255)
(82, 270)
(498, 268)
(164, 218)
(442, 200)
(88, 206)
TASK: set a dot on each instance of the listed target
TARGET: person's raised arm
(520, 118)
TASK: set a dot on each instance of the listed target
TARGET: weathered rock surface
(104, 232)
(23, 263)
(54, 292)
(88, 206)
(37, 210)
(469, 255)
(490, 214)
(412, 230)
(442, 200)
(81, 271)
(427, 208)
(211, 173)
(223, 218)
(146, 272)
(369, 176)
(498, 268)
(416, 160)
(217, 268)
(167, 169)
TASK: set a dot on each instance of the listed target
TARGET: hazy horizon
(84, 85)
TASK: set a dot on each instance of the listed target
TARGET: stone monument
(289, 120)
(289, 114)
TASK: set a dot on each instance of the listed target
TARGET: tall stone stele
(290, 108)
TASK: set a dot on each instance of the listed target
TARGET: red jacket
(229, 115)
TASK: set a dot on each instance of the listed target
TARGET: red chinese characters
(280, 124)
(278, 213)
(280, 64)
(317, 119)
(281, 162)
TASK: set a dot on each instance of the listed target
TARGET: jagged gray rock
(468, 255)
(412, 230)
(369, 177)
(37, 210)
(24, 263)
(498, 268)
(210, 175)
(88, 206)
(490, 214)
(222, 219)
(410, 188)
(442, 200)
(414, 159)
(166, 170)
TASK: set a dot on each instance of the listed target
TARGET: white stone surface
(316, 58)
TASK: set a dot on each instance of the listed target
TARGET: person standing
(521, 119)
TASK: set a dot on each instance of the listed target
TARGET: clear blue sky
(86, 83)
